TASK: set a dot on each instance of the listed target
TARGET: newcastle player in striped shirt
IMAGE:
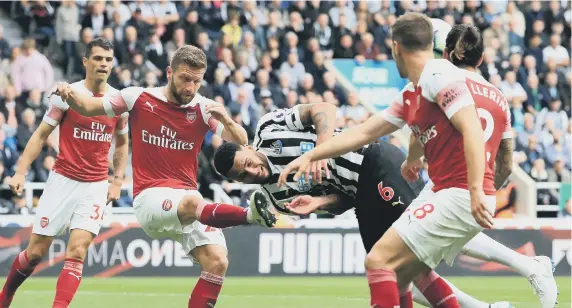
(380, 195)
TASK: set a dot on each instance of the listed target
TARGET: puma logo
(151, 106)
(216, 207)
(397, 202)
(76, 276)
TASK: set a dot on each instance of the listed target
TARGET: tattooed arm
(119, 164)
(322, 116)
(503, 162)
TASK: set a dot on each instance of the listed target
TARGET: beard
(180, 99)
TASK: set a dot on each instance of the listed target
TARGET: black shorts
(383, 194)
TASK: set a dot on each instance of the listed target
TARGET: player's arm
(121, 152)
(34, 147)
(80, 102)
(416, 150)
(467, 122)
(354, 138)
(332, 203)
(234, 132)
(322, 116)
(216, 117)
(503, 162)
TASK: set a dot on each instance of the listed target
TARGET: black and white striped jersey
(281, 137)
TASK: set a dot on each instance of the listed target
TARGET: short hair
(413, 31)
(98, 42)
(190, 56)
(224, 157)
(464, 45)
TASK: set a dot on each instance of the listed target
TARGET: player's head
(185, 73)
(464, 46)
(241, 163)
(98, 59)
(412, 35)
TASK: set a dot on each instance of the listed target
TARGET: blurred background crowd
(264, 55)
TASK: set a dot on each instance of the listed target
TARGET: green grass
(299, 292)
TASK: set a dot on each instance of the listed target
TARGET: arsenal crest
(167, 205)
(44, 221)
(191, 116)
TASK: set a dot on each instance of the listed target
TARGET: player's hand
(479, 209)
(62, 90)
(113, 192)
(410, 169)
(218, 112)
(316, 168)
(17, 183)
(303, 205)
(299, 165)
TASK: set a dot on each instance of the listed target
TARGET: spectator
(274, 52)
(211, 18)
(551, 85)
(266, 64)
(8, 156)
(354, 110)
(226, 63)
(26, 128)
(5, 49)
(123, 12)
(233, 29)
(345, 48)
(141, 23)
(539, 174)
(220, 88)
(303, 32)
(312, 48)
(97, 19)
(274, 28)
(530, 67)
(156, 53)
(292, 99)
(137, 68)
(489, 66)
(86, 37)
(555, 114)
(238, 83)
(318, 69)
(125, 80)
(532, 152)
(32, 70)
(262, 85)
(166, 17)
(43, 15)
(535, 50)
(537, 96)
(340, 10)
(527, 131)
(256, 30)
(34, 102)
(294, 68)
(517, 114)
(515, 18)
(292, 46)
(366, 49)
(177, 42)
(242, 64)
(307, 85)
(496, 31)
(331, 85)
(515, 65)
(266, 102)
(151, 80)
(511, 88)
(251, 50)
(191, 27)
(249, 112)
(8, 106)
(130, 46)
(556, 52)
(117, 27)
(250, 12)
(557, 151)
(43, 172)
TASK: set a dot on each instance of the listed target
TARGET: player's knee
(188, 208)
(217, 264)
(35, 255)
(77, 252)
(374, 260)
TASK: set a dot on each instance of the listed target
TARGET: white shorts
(438, 225)
(69, 203)
(156, 211)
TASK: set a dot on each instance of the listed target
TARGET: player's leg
(537, 270)
(214, 263)
(24, 265)
(71, 274)
(222, 215)
(85, 224)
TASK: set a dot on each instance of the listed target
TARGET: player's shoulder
(437, 75)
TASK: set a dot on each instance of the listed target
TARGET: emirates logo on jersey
(191, 116)
(44, 221)
(167, 205)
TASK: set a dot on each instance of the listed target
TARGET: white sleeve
(214, 125)
(395, 113)
(56, 110)
(122, 101)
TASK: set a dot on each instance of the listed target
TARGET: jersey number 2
(489, 126)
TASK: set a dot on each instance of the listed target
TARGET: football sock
(206, 291)
(220, 215)
(383, 288)
(68, 283)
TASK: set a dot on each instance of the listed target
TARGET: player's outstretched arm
(503, 162)
(415, 151)
(31, 152)
(305, 204)
(347, 141)
(82, 103)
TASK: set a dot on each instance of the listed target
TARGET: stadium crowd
(264, 55)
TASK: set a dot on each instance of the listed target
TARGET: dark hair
(413, 31)
(190, 56)
(464, 45)
(97, 42)
(224, 157)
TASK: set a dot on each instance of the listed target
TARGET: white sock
(485, 248)
(465, 300)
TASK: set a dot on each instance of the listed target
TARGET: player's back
(494, 112)
(84, 142)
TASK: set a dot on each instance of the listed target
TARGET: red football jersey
(444, 89)
(166, 138)
(84, 142)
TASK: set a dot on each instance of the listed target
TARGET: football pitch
(299, 292)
